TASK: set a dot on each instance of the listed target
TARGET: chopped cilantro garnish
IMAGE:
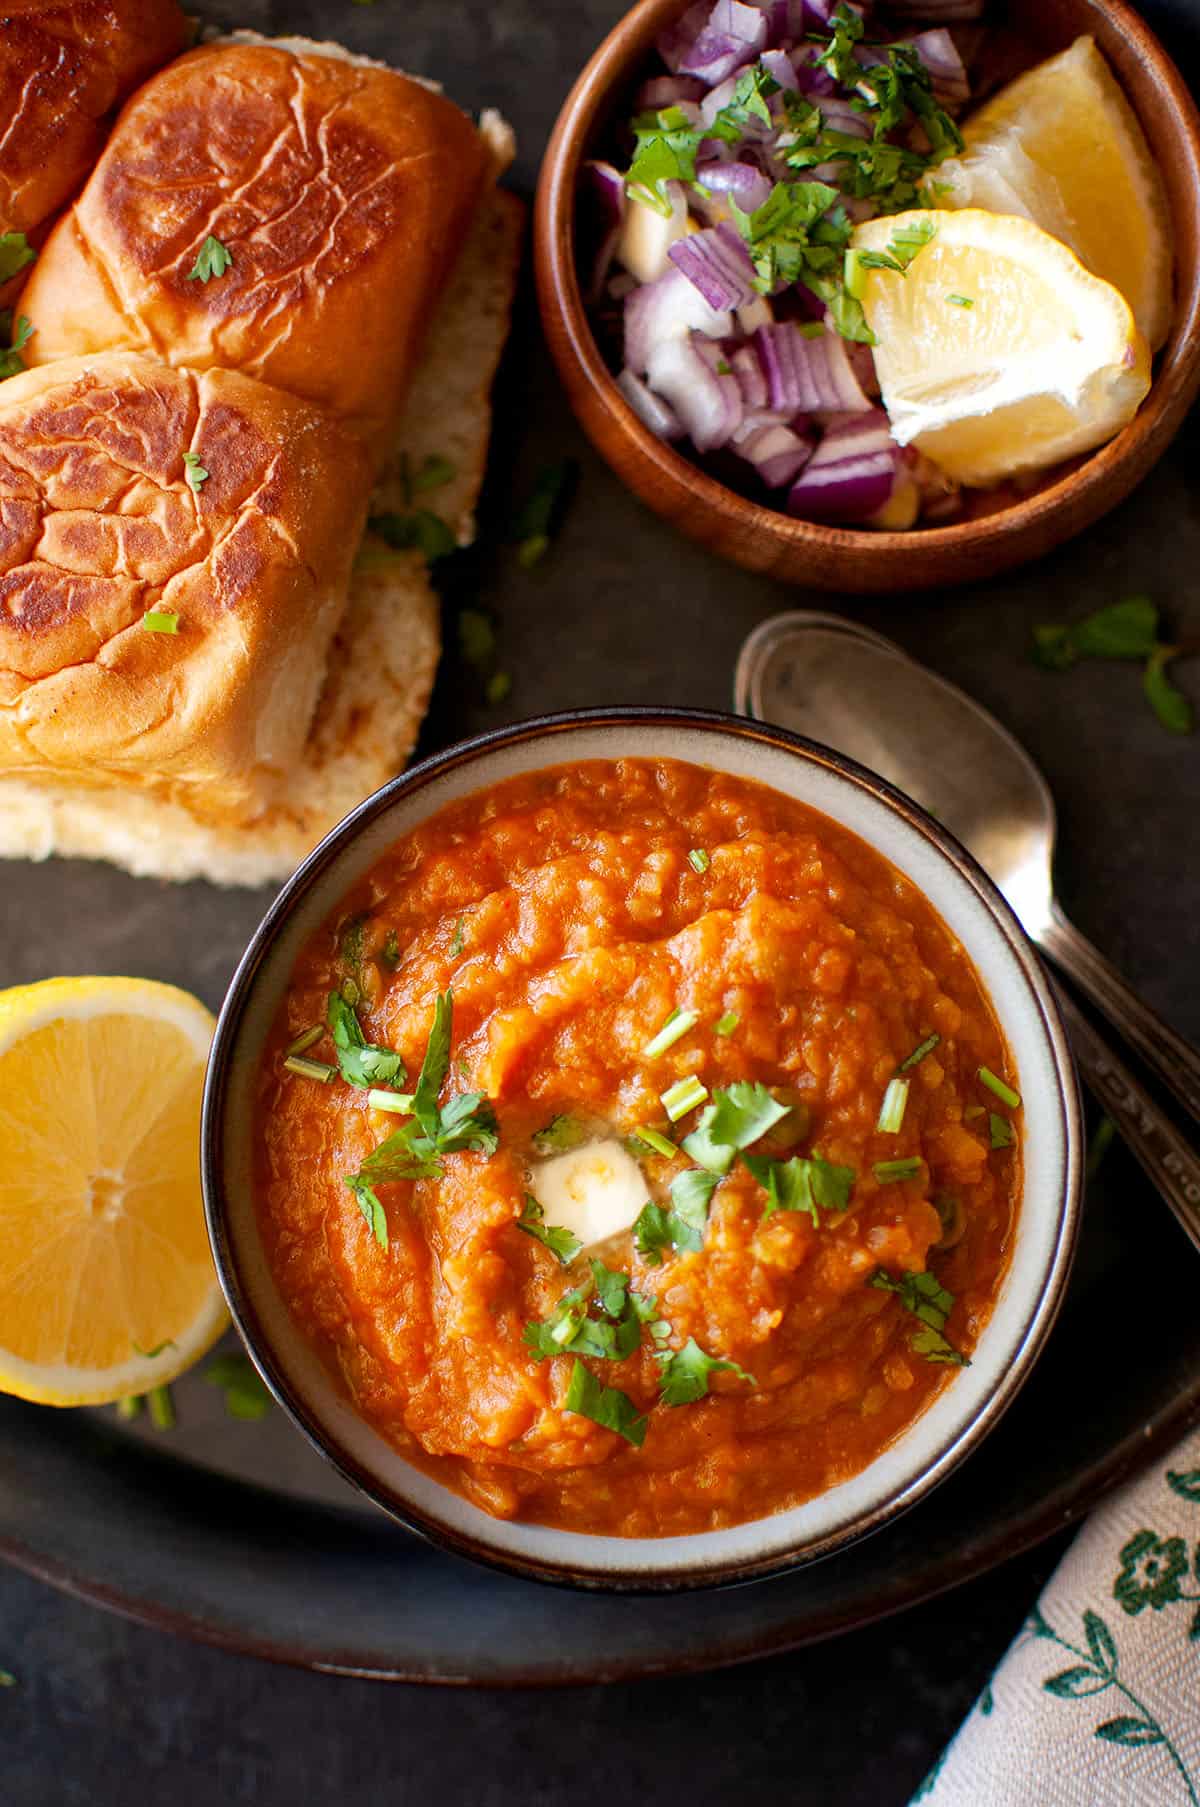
(212, 259)
(434, 473)
(362, 1063)
(390, 952)
(665, 152)
(420, 530)
(960, 301)
(725, 1025)
(562, 1132)
(738, 1115)
(563, 1244)
(246, 1394)
(928, 1300)
(918, 1054)
(541, 516)
(698, 860)
(682, 1226)
(1126, 630)
(456, 946)
(1168, 703)
(1000, 1130)
(476, 638)
(160, 621)
(685, 1373)
(1004, 1092)
(370, 1204)
(303, 1068)
(498, 687)
(306, 1039)
(15, 253)
(194, 473)
(7, 1678)
(802, 1184)
(676, 1026)
(161, 1403)
(612, 1289)
(11, 361)
(605, 1406)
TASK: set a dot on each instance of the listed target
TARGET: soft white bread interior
(381, 663)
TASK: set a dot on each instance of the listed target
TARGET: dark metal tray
(237, 1533)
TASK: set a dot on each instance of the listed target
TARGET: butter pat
(595, 1191)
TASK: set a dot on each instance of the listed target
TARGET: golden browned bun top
(65, 65)
(128, 487)
(341, 192)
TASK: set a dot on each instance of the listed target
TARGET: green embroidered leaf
(1074, 1684)
(1129, 1732)
(1101, 1646)
(1036, 1624)
(1185, 1483)
(1194, 1627)
(987, 1700)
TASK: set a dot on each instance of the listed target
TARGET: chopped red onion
(807, 373)
(749, 373)
(713, 42)
(837, 115)
(687, 373)
(603, 209)
(748, 185)
(716, 260)
(851, 474)
(668, 91)
(650, 409)
(778, 66)
(814, 81)
(667, 309)
(755, 313)
(939, 53)
(777, 454)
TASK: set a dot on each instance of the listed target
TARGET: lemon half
(997, 353)
(107, 1286)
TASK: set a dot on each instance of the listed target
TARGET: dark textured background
(106, 1712)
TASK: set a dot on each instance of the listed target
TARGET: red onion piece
(650, 409)
(713, 42)
(939, 53)
(851, 474)
(778, 66)
(749, 373)
(777, 453)
(839, 116)
(668, 91)
(812, 374)
(748, 185)
(717, 262)
(814, 81)
(687, 373)
(602, 209)
(669, 308)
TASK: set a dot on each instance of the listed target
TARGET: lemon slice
(997, 352)
(107, 1286)
(1062, 146)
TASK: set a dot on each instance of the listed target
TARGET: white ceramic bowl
(1052, 1147)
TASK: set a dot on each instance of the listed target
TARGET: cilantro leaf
(685, 1373)
(212, 259)
(802, 1184)
(194, 473)
(11, 361)
(605, 1406)
(362, 1063)
(738, 1115)
(562, 1132)
(1126, 630)
(652, 1233)
(368, 1202)
(570, 1331)
(1169, 704)
(434, 473)
(435, 1065)
(682, 1227)
(612, 1289)
(541, 516)
(420, 529)
(246, 1394)
(15, 253)
(562, 1243)
(929, 1301)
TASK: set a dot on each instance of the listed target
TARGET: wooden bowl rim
(1174, 384)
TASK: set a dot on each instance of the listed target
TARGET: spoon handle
(1167, 1158)
(1171, 1058)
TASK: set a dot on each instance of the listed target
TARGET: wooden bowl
(765, 539)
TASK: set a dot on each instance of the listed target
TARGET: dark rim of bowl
(1042, 1309)
(555, 215)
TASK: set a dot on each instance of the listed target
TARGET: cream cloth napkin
(1097, 1702)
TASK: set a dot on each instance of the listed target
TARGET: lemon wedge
(1062, 146)
(107, 1286)
(997, 352)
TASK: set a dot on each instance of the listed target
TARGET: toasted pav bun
(100, 524)
(341, 190)
(65, 66)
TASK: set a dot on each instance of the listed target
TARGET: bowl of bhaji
(641, 1150)
(881, 295)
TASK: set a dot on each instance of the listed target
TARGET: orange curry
(829, 1190)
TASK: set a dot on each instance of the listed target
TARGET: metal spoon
(841, 684)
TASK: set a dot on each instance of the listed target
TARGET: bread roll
(100, 523)
(341, 190)
(65, 65)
